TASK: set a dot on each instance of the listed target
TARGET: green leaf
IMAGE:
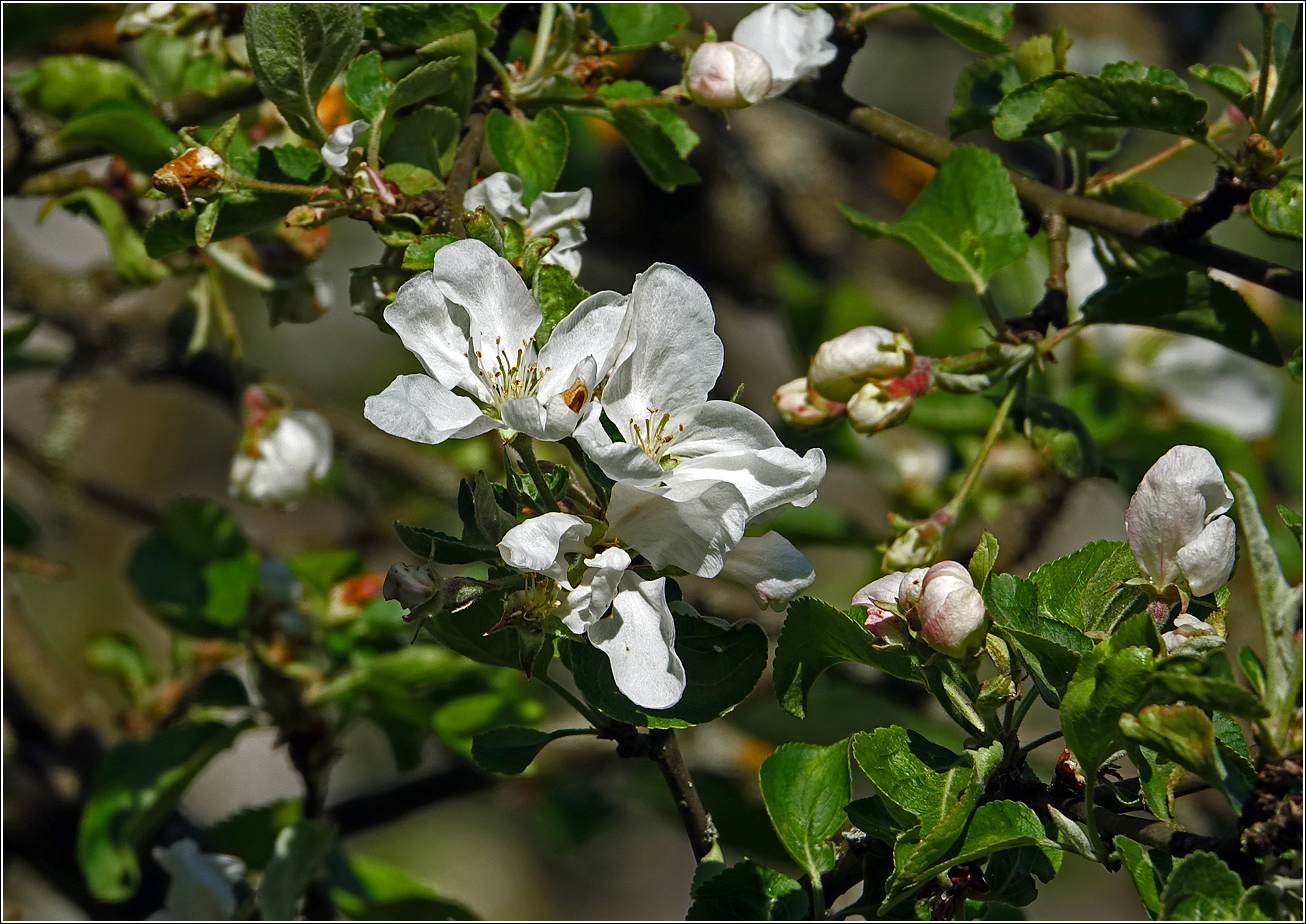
(873, 817)
(980, 89)
(421, 255)
(982, 559)
(296, 50)
(1279, 211)
(427, 137)
(658, 137)
(364, 889)
(1212, 693)
(251, 833)
(465, 632)
(1049, 648)
(1230, 84)
(910, 772)
(1186, 303)
(242, 213)
(416, 24)
(1058, 435)
(1154, 99)
(966, 223)
(1010, 875)
(461, 720)
(1181, 733)
(978, 26)
(320, 570)
(722, 665)
(124, 128)
(120, 657)
(1155, 779)
(135, 788)
(748, 891)
(127, 250)
(410, 179)
(63, 85)
(1201, 888)
(285, 163)
(460, 48)
(367, 86)
(1085, 589)
(815, 638)
(557, 293)
(442, 548)
(632, 26)
(1148, 869)
(511, 749)
(805, 788)
(298, 850)
(1106, 685)
(534, 149)
(1291, 519)
(229, 584)
(432, 79)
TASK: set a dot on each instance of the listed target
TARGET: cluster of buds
(939, 605)
(871, 374)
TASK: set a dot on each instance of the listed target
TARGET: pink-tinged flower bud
(1186, 627)
(874, 409)
(909, 593)
(410, 586)
(724, 75)
(880, 622)
(953, 619)
(800, 405)
(846, 363)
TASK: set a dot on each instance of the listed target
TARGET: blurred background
(113, 422)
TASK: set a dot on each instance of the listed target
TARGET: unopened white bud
(872, 409)
(724, 75)
(800, 405)
(843, 365)
(953, 619)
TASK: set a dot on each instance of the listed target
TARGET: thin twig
(698, 823)
(464, 164)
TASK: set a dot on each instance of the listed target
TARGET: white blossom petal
(691, 525)
(418, 408)
(499, 194)
(585, 605)
(588, 332)
(335, 153)
(622, 462)
(294, 455)
(1213, 384)
(542, 544)
(792, 40)
(639, 640)
(503, 315)
(1206, 561)
(771, 568)
(421, 316)
(201, 886)
(1178, 496)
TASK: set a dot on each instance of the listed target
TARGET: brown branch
(698, 823)
(464, 165)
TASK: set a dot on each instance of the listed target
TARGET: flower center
(653, 439)
(509, 374)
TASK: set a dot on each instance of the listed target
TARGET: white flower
(1186, 627)
(846, 363)
(201, 883)
(471, 322)
(791, 39)
(638, 636)
(279, 465)
(690, 473)
(771, 568)
(726, 75)
(335, 153)
(1175, 525)
(953, 619)
(880, 621)
(551, 213)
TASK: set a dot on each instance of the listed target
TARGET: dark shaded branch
(698, 823)
(394, 802)
(464, 165)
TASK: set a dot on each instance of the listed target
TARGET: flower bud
(800, 405)
(281, 456)
(724, 75)
(872, 409)
(1185, 628)
(883, 623)
(410, 586)
(915, 548)
(953, 619)
(909, 592)
(842, 365)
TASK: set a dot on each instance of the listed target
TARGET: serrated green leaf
(459, 721)
(1105, 686)
(910, 772)
(722, 665)
(414, 25)
(1148, 869)
(120, 657)
(364, 889)
(534, 149)
(967, 223)
(1212, 693)
(981, 87)
(983, 558)
(557, 294)
(1086, 588)
(749, 891)
(410, 179)
(367, 86)
(1291, 519)
(1156, 779)
(295, 856)
(1278, 211)
(978, 26)
(131, 260)
(815, 637)
(632, 26)
(1073, 102)
(1230, 84)
(421, 255)
(124, 128)
(427, 138)
(461, 48)
(1180, 733)
(1186, 303)
(135, 788)
(872, 817)
(465, 632)
(805, 788)
(1201, 888)
(251, 833)
(511, 749)
(435, 78)
(296, 50)
(1049, 648)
